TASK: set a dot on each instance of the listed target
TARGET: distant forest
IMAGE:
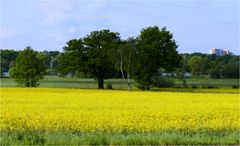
(103, 54)
(226, 66)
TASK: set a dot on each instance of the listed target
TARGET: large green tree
(91, 54)
(28, 69)
(156, 49)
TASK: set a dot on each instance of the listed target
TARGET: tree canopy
(156, 49)
(103, 54)
(28, 69)
(91, 54)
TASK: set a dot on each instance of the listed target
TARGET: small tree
(125, 58)
(28, 69)
(196, 63)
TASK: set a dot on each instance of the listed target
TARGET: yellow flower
(115, 111)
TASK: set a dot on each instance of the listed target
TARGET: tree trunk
(121, 68)
(129, 82)
(100, 83)
(128, 76)
(148, 86)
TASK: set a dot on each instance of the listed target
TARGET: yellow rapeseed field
(115, 111)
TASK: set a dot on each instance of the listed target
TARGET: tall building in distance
(220, 52)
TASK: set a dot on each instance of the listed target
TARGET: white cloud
(54, 12)
(57, 12)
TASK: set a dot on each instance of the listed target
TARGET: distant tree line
(103, 54)
(226, 66)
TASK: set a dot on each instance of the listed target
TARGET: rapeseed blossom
(77, 110)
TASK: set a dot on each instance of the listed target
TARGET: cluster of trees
(103, 54)
(214, 66)
(49, 58)
(8, 58)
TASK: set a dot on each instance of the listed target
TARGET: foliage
(109, 86)
(226, 67)
(235, 86)
(73, 111)
(124, 59)
(230, 71)
(49, 58)
(99, 45)
(194, 86)
(29, 69)
(66, 64)
(161, 82)
(215, 74)
(155, 49)
(102, 55)
(91, 54)
(7, 59)
(185, 83)
(195, 64)
(1, 72)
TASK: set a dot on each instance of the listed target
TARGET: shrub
(178, 86)
(1, 73)
(51, 72)
(141, 87)
(185, 84)
(163, 83)
(214, 74)
(235, 86)
(109, 86)
(211, 87)
(230, 71)
(194, 86)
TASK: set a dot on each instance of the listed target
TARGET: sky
(196, 25)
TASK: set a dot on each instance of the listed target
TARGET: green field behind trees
(202, 83)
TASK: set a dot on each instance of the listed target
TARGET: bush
(178, 86)
(215, 74)
(185, 84)
(51, 72)
(109, 86)
(141, 87)
(194, 86)
(235, 86)
(163, 83)
(211, 87)
(230, 71)
(1, 73)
